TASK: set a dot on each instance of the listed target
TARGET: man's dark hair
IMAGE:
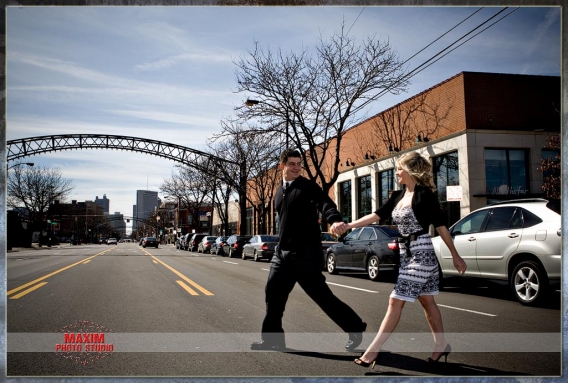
(289, 153)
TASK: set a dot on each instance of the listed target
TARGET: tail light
(264, 246)
(221, 243)
(236, 245)
(393, 246)
(207, 244)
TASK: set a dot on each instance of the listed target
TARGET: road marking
(28, 290)
(51, 274)
(87, 261)
(232, 263)
(354, 288)
(198, 287)
(187, 288)
(156, 262)
(266, 269)
(469, 311)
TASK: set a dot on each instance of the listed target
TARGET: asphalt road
(166, 312)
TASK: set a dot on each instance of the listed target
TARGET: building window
(446, 173)
(345, 200)
(386, 185)
(506, 171)
(364, 196)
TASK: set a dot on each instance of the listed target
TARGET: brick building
(485, 134)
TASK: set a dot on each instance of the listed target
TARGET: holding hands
(339, 228)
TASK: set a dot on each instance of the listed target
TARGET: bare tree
(312, 100)
(551, 167)
(397, 127)
(32, 190)
(260, 154)
(191, 186)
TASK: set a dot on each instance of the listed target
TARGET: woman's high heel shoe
(372, 363)
(444, 354)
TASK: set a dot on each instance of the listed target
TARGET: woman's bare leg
(434, 318)
(387, 327)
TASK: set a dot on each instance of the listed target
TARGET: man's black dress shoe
(355, 338)
(262, 345)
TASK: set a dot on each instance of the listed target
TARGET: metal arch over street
(204, 162)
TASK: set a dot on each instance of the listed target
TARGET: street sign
(454, 193)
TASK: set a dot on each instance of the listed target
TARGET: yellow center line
(203, 290)
(51, 274)
(28, 290)
(187, 288)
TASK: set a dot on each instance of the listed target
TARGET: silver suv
(515, 241)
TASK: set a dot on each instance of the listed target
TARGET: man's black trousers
(305, 267)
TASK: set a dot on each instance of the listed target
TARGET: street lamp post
(20, 163)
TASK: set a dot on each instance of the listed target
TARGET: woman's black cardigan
(425, 206)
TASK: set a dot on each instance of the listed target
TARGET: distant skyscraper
(116, 221)
(133, 216)
(104, 202)
(146, 202)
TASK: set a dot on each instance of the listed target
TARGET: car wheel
(144, 246)
(528, 282)
(256, 259)
(331, 264)
(373, 267)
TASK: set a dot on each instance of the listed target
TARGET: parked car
(179, 242)
(327, 239)
(204, 246)
(150, 241)
(141, 241)
(112, 241)
(516, 242)
(102, 240)
(370, 248)
(260, 247)
(184, 243)
(234, 245)
(193, 241)
(217, 245)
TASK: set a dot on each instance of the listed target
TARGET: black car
(150, 241)
(193, 242)
(234, 245)
(217, 245)
(370, 248)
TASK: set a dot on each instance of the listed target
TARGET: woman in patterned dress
(413, 210)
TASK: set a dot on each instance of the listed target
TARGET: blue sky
(167, 73)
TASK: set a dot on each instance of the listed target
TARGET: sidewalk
(35, 246)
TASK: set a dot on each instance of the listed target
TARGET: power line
(415, 71)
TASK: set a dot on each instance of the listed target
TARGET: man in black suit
(298, 257)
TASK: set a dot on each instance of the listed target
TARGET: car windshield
(150, 239)
(268, 238)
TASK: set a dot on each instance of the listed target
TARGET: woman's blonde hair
(419, 168)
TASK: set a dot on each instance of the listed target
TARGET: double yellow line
(32, 283)
(183, 285)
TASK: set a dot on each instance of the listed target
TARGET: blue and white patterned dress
(418, 272)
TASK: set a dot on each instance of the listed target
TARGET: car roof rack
(522, 200)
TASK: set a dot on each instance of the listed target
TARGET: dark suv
(194, 241)
(233, 247)
(370, 248)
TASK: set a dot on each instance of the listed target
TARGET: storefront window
(446, 173)
(386, 185)
(506, 171)
(364, 196)
(345, 200)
